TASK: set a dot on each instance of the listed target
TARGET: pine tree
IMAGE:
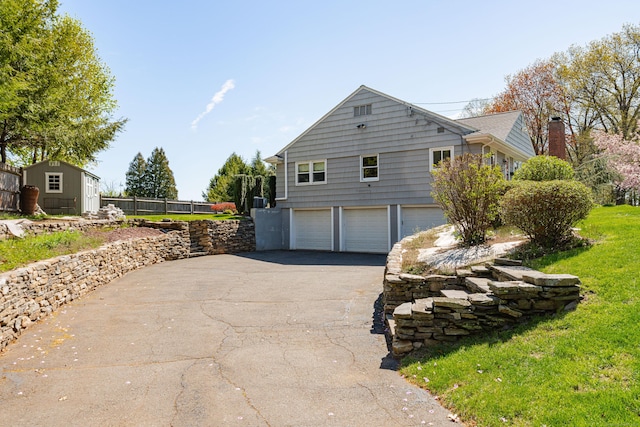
(135, 177)
(158, 177)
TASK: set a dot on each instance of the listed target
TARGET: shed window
(53, 182)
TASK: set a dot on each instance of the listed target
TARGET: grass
(15, 253)
(577, 368)
(186, 217)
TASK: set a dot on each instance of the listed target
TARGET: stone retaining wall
(30, 293)
(429, 310)
(222, 237)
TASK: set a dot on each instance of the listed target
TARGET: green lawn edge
(576, 368)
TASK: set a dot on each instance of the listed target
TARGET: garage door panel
(366, 230)
(312, 229)
(415, 219)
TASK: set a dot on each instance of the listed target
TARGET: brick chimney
(557, 146)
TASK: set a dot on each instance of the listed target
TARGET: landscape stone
(444, 308)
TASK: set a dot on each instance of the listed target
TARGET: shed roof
(63, 163)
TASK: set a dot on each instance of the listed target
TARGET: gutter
(286, 178)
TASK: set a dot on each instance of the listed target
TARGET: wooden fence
(143, 206)
(10, 179)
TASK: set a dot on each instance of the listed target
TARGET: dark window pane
(303, 177)
(318, 177)
(370, 172)
(370, 161)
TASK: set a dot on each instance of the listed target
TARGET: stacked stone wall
(30, 293)
(429, 310)
(222, 237)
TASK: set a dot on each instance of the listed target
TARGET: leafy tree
(135, 177)
(544, 168)
(536, 92)
(221, 185)
(476, 107)
(56, 96)
(468, 191)
(603, 79)
(158, 177)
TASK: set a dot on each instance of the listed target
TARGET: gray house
(359, 180)
(64, 188)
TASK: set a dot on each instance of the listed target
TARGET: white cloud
(218, 97)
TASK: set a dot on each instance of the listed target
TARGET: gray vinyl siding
(404, 178)
(401, 140)
(520, 140)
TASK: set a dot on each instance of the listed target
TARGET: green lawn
(186, 217)
(578, 368)
(16, 253)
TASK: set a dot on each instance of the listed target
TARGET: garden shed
(64, 188)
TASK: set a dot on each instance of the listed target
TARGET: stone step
(455, 294)
(477, 284)
(508, 273)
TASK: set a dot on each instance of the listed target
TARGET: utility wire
(451, 102)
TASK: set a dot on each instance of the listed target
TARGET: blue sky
(203, 79)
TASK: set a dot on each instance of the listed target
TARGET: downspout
(286, 177)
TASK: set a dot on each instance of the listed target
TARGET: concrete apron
(266, 339)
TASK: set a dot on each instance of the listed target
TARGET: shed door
(365, 230)
(312, 229)
(417, 219)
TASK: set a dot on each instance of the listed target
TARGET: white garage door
(416, 219)
(365, 230)
(312, 229)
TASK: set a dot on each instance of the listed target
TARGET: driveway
(260, 339)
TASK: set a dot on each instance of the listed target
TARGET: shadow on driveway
(317, 258)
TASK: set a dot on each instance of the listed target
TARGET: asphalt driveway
(261, 339)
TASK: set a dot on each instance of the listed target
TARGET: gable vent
(440, 129)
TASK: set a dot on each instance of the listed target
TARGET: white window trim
(46, 182)
(311, 181)
(362, 178)
(432, 150)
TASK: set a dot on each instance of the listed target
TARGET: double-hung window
(53, 182)
(440, 154)
(313, 172)
(369, 168)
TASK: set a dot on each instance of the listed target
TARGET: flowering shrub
(224, 207)
(623, 156)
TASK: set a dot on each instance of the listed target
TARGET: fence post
(135, 205)
(192, 207)
(166, 210)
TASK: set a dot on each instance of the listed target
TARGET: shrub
(223, 207)
(468, 192)
(544, 168)
(545, 211)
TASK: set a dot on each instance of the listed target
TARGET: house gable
(504, 132)
(392, 137)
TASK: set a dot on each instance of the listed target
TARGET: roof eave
(492, 141)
